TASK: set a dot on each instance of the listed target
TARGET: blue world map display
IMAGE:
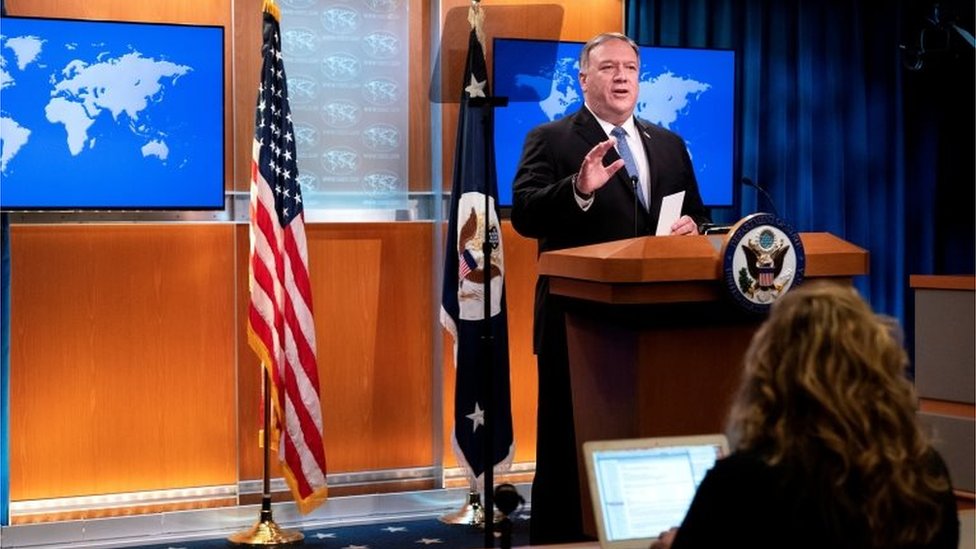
(110, 115)
(688, 91)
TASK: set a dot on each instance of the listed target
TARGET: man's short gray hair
(584, 60)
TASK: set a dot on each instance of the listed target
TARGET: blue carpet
(425, 533)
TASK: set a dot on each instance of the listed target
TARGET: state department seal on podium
(762, 259)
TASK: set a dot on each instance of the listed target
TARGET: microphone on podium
(769, 199)
(715, 228)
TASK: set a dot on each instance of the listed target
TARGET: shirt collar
(629, 126)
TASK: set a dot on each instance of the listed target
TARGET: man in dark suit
(582, 180)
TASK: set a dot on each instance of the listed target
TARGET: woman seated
(826, 451)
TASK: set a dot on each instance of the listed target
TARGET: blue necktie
(629, 163)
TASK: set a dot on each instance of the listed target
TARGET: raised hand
(593, 174)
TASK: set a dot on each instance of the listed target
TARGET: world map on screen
(688, 91)
(86, 91)
(83, 106)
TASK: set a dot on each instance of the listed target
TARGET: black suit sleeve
(544, 203)
(693, 205)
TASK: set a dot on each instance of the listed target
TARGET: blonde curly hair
(824, 392)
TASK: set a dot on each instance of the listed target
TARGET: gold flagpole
(265, 531)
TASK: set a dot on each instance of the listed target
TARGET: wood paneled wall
(130, 368)
(122, 367)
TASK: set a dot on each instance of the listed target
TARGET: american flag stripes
(466, 263)
(280, 325)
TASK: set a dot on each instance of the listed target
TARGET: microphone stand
(487, 337)
(769, 199)
(633, 183)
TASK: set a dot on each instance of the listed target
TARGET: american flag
(466, 262)
(280, 326)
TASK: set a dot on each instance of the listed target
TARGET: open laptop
(642, 487)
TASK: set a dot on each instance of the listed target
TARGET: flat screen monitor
(110, 115)
(689, 91)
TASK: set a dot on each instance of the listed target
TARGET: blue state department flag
(462, 302)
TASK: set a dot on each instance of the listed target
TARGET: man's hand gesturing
(593, 174)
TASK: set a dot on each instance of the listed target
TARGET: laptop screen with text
(641, 487)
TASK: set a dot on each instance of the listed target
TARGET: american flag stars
(476, 88)
(276, 138)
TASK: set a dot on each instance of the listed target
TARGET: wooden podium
(655, 344)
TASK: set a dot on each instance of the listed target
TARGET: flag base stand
(266, 533)
(472, 513)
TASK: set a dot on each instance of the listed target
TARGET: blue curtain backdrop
(843, 135)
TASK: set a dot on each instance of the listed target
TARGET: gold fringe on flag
(272, 8)
(476, 17)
